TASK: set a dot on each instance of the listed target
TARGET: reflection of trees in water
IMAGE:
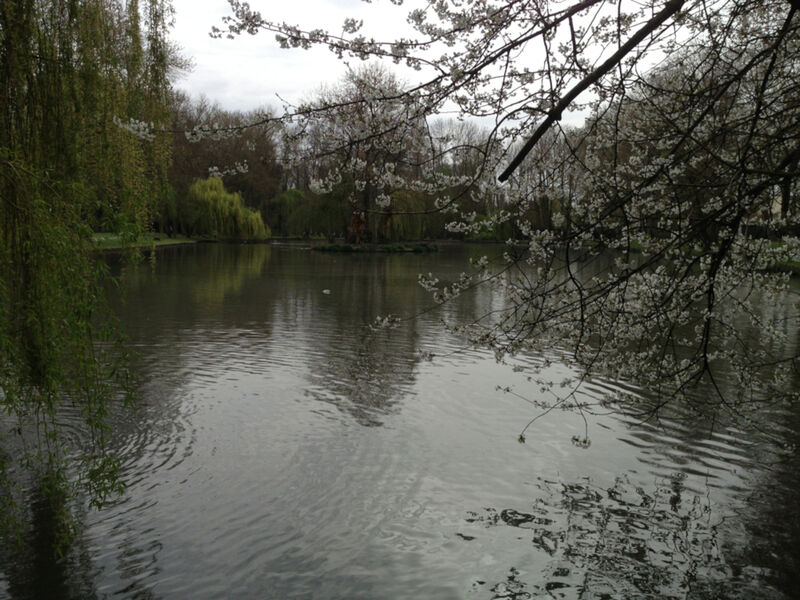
(187, 284)
(44, 556)
(738, 539)
(227, 270)
(144, 438)
(198, 296)
(360, 371)
(759, 539)
(193, 278)
(367, 379)
(772, 520)
(30, 565)
(674, 542)
(774, 528)
(622, 542)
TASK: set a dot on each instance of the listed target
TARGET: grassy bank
(114, 241)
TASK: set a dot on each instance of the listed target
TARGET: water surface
(280, 448)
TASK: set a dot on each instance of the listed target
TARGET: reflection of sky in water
(280, 449)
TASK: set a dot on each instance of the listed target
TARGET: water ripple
(278, 448)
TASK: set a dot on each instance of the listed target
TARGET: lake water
(279, 448)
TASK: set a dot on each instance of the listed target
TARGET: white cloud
(247, 72)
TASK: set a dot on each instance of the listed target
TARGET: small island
(415, 247)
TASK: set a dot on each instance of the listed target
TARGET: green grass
(791, 266)
(113, 241)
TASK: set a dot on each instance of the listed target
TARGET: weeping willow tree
(221, 214)
(70, 72)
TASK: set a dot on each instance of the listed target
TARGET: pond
(279, 448)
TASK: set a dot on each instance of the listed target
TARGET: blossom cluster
(238, 168)
(141, 129)
(644, 242)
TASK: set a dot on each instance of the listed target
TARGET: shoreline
(105, 245)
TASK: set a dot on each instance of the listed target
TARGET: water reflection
(243, 334)
(619, 542)
(713, 514)
(361, 371)
(770, 520)
(273, 299)
(365, 380)
(280, 448)
(193, 277)
(31, 567)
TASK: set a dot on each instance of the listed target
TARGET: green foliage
(115, 241)
(68, 70)
(409, 222)
(220, 214)
(51, 318)
(279, 209)
(253, 146)
(327, 214)
(294, 213)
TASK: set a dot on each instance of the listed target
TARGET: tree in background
(362, 144)
(641, 260)
(246, 154)
(220, 214)
(316, 174)
(366, 144)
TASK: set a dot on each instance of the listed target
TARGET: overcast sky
(247, 72)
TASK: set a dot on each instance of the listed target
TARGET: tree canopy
(647, 237)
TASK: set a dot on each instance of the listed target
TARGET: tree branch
(554, 115)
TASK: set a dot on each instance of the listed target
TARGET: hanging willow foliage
(68, 69)
(221, 214)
